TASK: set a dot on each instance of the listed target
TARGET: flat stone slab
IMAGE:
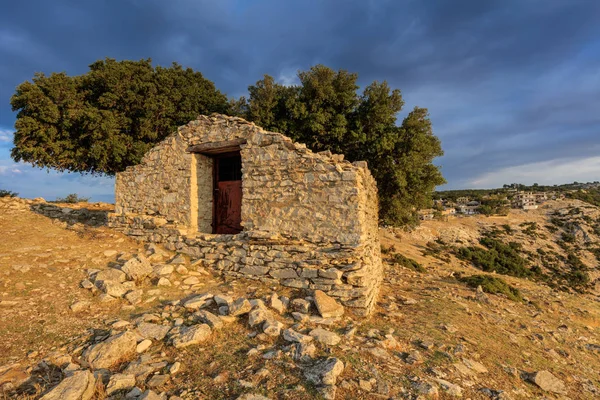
(79, 386)
(112, 351)
(191, 335)
(327, 306)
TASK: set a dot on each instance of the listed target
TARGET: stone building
(253, 203)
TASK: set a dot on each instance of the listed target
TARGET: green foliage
(596, 252)
(496, 257)
(406, 262)
(507, 229)
(437, 250)
(577, 276)
(530, 228)
(7, 193)
(591, 196)
(106, 119)
(567, 237)
(493, 285)
(72, 198)
(326, 112)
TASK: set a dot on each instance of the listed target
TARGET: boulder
(327, 306)
(191, 335)
(111, 274)
(112, 288)
(209, 318)
(325, 337)
(239, 307)
(112, 351)
(137, 268)
(325, 372)
(153, 331)
(79, 386)
(548, 382)
(120, 382)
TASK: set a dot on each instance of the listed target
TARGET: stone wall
(309, 219)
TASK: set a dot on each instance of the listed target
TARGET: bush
(492, 285)
(498, 257)
(406, 262)
(72, 198)
(7, 193)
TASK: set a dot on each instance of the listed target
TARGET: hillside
(432, 334)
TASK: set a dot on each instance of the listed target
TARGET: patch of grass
(492, 285)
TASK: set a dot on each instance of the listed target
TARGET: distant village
(511, 196)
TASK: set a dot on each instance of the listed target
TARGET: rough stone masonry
(309, 219)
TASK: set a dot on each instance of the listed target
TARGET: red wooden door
(228, 194)
(229, 207)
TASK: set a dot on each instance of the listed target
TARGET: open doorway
(227, 197)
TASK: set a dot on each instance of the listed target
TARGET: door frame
(216, 158)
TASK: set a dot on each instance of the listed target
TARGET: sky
(512, 86)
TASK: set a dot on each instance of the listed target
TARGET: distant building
(426, 215)
(467, 210)
(525, 201)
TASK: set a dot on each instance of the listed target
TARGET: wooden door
(228, 194)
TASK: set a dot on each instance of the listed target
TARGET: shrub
(406, 262)
(7, 193)
(507, 229)
(493, 285)
(497, 257)
(72, 198)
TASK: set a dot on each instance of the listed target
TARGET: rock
(182, 270)
(292, 336)
(79, 386)
(111, 274)
(110, 253)
(137, 268)
(327, 306)
(325, 372)
(134, 393)
(178, 260)
(86, 284)
(197, 302)
(209, 318)
(134, 296)
(276, 304)
(112, 288)
(301, 305)
(365, 385)
(425, 388)
(481, 296)
(192, 280)
(257, 316)
(223, 300)
(79, 306)
(240, 306)
(475, 366)
(191, 335)
(120, 382)
(175, 368)
(163, 282)
(272, 327)
(158, 381)
(112, 351)
(163, 269)
(325, 337)
(149, 395)
(143, 346)
(303, 352)
(547, 382)
(450, 388)
(153, 331)
(250, 396)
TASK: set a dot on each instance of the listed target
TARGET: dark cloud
(507, 82)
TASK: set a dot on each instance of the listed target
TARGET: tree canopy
(106, 119)
(327, 112)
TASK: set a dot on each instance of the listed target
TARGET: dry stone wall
(309, 219)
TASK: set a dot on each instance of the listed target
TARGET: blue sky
(513, 86)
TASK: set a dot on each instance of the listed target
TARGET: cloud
(545, 173)
(6, 136)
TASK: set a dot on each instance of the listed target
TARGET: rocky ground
(88, 313)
